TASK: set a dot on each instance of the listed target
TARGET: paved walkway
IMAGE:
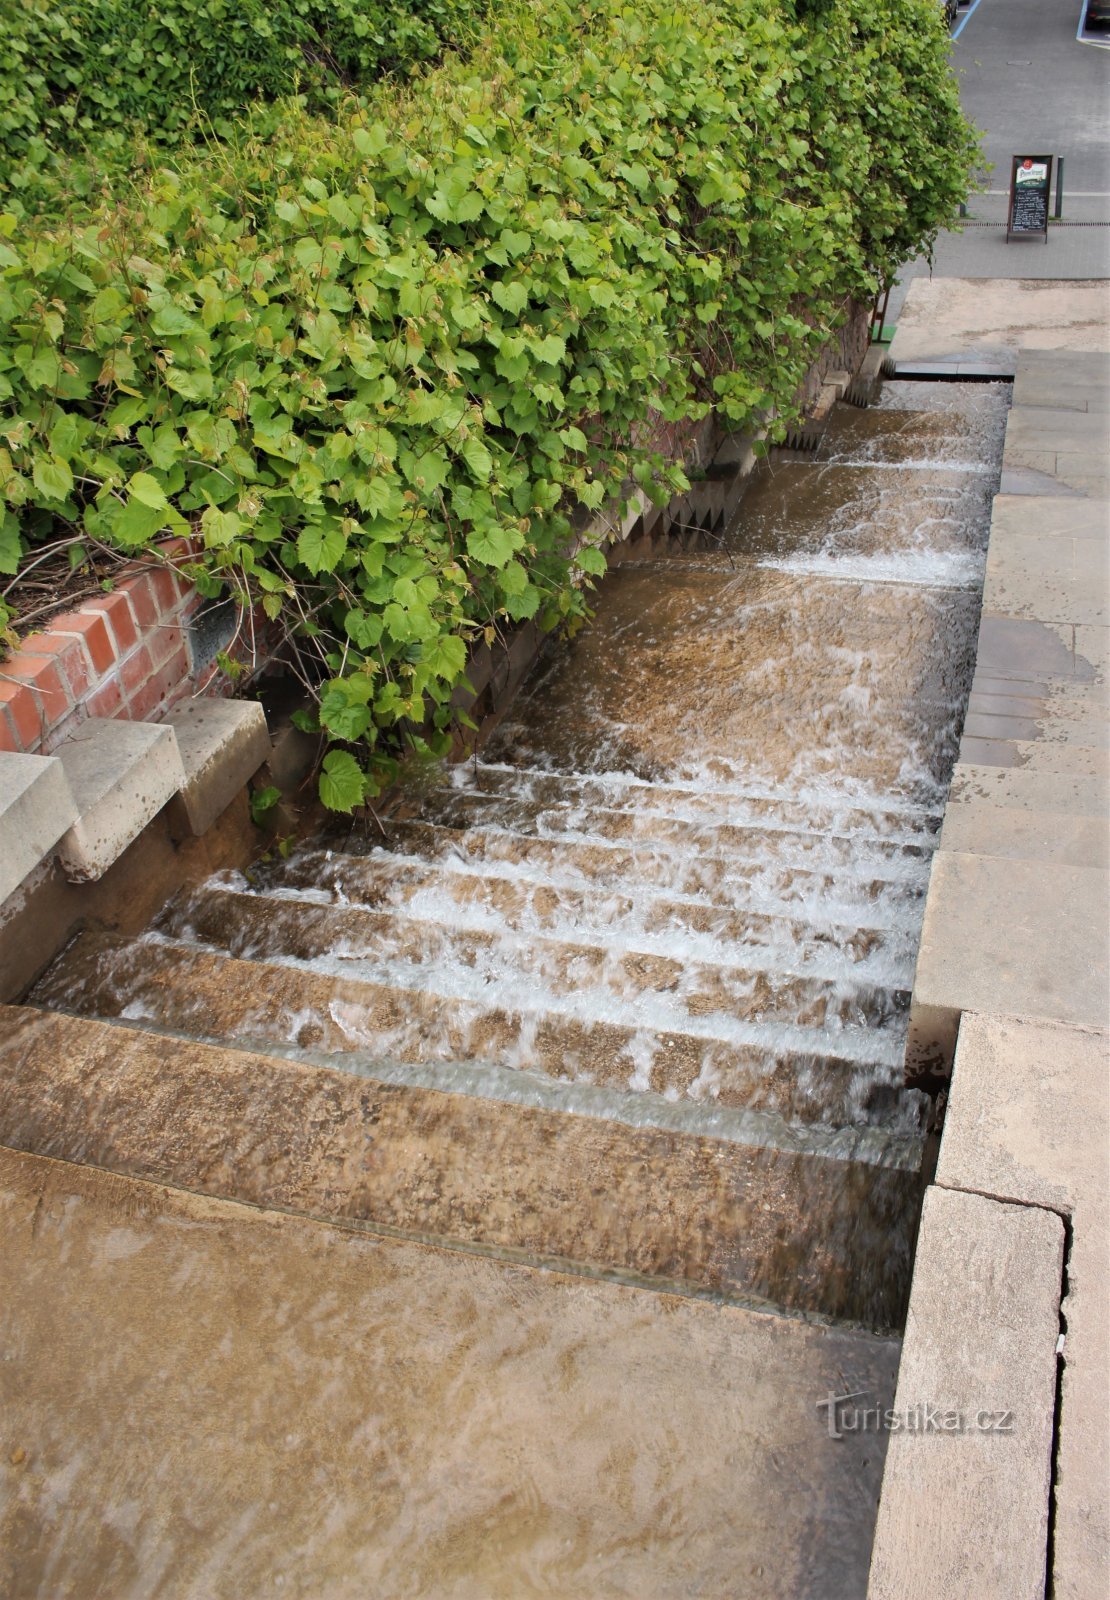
(1007, 1321)
(1027, 81)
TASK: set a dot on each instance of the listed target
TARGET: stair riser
(895, 861)
(171, 988)
(818, 900)
(676, 1210)
(707, 807)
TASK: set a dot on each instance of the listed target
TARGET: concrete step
(765, 885)
(838, 1077)
(701, 1215)
(806, 847)
(232, 1396)
(391, 948)
(36, 808)
(222, 743)
(503, 897)
(121, 774)
(717, 805)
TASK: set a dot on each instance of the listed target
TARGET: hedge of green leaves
(375, 361)
(75, 70)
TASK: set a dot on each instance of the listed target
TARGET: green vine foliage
(75, 71)
(377, 363)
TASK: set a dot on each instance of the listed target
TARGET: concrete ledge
(1014, 936)
(121, 775)
(1028, 1120)
(222, 743)
(36, 808)
(964, 1513)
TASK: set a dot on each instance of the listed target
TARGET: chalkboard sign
(1030, 181)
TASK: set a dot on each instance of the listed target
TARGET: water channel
(677, 895)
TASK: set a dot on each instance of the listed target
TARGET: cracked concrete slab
(1028, 1121)
(965, 1507)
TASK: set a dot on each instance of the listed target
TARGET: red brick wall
(125, 654)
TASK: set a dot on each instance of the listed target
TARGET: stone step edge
(689, 790)
(347, 1152)
(795, 1042)
(98, 790)
(566, 847)
(649, 893)
(921, 847)
(178, 914)
(860, 917)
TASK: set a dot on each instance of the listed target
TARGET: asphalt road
(1031, 86)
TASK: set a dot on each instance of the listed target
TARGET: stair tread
(257, 1393)
(826, 893)
(458, 807)
(845, 815)
(816, 1235)
(801, 1074)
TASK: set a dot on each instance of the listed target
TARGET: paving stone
(1072, 381)
(1070, 516)
(1028, 1120)
(1023, 938)
(966, 1511)
(211, 1400)
(952, 319)
(1045, 429)
(36, 808)
(222, 743)
(1026, 790)
(121, 775)
(986, 830)
(1024, 649)
(1091, 646)
(1052, 579)
(1022, 480)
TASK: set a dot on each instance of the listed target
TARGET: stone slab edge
(964, 1511)
(36, 809)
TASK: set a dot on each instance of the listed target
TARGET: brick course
(125, 654)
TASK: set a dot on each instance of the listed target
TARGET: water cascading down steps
(627, 994)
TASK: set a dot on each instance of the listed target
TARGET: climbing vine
(372, 362)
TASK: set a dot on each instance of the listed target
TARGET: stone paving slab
(1030, 650)
(1029, 791)
(965, 318)
(1043, 427)
(1038, 755)
(1039, 835)
(1027, 938)
(1053, 579)
(1075, 381)
(1028, 1120)
(209, 1401)
(1069, 516)
(966, 1511)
